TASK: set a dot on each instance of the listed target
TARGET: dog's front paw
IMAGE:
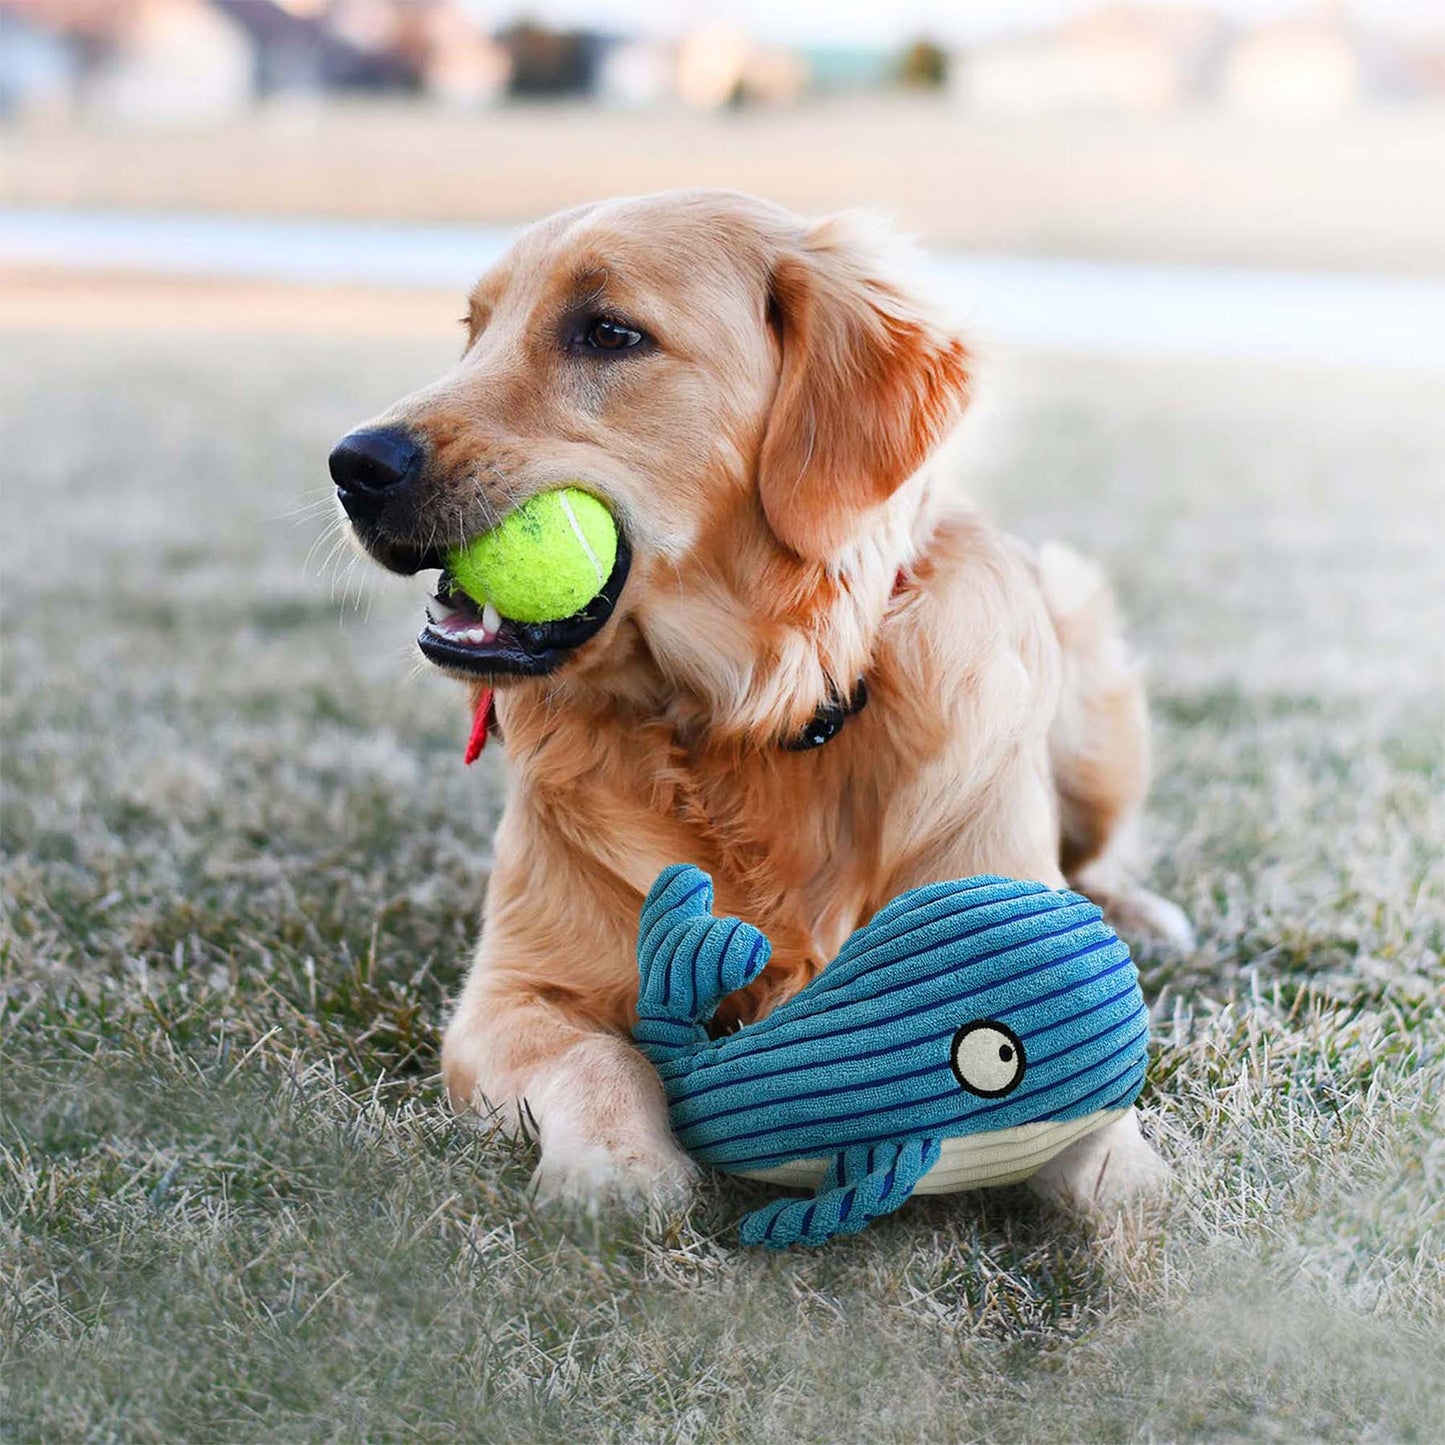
(600, 1116)
(642, 1174)
(1104, 1170)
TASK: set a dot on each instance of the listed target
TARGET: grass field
(243, 866)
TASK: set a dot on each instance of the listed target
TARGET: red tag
(481, 720)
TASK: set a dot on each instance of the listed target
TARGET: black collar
(827, 722)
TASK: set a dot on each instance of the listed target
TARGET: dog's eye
(987, 1058)
(605, 334)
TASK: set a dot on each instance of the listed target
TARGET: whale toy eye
(987, 1058)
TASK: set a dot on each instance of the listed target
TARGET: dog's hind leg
(1099, 747)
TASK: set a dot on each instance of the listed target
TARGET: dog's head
(748, 393)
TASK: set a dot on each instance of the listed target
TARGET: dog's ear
(868, 386)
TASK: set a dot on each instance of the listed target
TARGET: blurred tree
(924, 65)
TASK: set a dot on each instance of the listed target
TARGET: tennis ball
(546, 560)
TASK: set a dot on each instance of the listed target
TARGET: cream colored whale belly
(975, 1161)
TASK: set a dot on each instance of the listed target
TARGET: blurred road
(1114, 308)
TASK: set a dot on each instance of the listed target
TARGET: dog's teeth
(444, 615)
(462, 625)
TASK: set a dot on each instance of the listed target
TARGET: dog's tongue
(481, 720)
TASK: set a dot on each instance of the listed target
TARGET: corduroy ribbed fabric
(962, 1008)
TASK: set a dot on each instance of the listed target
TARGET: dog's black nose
(371, 465)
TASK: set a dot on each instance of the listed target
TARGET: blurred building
(192, 59)
(837, 69)
(636, 74)
(1299, 69)
(39, 67)
(454, 61)
(174, 59)
(1122, 60)
(142, 59)
(297, 50)
(544, 63)
(706, 68)
(1421, 72)
(721, 65)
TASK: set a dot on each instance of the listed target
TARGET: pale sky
(888, 22)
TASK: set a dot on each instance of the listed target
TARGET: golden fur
(768, 461)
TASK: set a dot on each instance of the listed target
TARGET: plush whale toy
(962, 1038)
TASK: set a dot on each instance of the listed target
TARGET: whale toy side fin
(862, 1182)
(689, 961)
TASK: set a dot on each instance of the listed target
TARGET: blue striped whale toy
(960, 1039)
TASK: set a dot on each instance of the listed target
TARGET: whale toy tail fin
(861, 1182)
(689, 961)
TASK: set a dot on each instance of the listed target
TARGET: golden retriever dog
(815, 672)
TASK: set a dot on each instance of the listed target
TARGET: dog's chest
(800, 857)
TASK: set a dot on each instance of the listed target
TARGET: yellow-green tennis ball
(546, 560)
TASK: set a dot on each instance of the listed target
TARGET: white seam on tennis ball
(582, 539)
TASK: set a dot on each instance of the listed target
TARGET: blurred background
(388, 142)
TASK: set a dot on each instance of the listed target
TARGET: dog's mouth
(465, 637)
